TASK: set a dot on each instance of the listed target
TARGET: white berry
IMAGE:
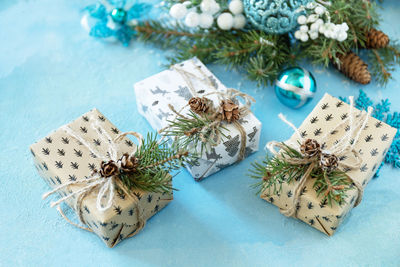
(304, 37)
(312, 18)
(209, 6)
(344, 27)
(236, 7)
(225, 21)
(206, 20)
(314, 27)
(319, 10)
(310, 5)
(342, 36)
(192, 19)
(239, 21)
(297, 34)
(304, 28)
(178, 11)
(319, 22)
(313, 35)
(302, 19)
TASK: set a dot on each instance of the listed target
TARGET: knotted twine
(343, 147)
(104, 185)
(210, 132)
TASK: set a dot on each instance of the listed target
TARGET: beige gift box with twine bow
(62, 159)
(370, 149)
(175, 87)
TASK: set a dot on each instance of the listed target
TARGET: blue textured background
(51, 72)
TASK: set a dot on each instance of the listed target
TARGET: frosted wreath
(106, 185)
(229, 94)
(344, 146)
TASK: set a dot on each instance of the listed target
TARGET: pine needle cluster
(273, 172)
(262, 56)
(188, 132)
(156, 161)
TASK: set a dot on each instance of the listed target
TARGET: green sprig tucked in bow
(273, 172)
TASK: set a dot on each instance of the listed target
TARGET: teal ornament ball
(295, 87)
(118, 15)
(274, 16)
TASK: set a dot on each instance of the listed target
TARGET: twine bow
(343, 147)
(209, 132)
(102, 181)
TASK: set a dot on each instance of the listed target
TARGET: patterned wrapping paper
(168, 87)
(373, 144)
(59, 158)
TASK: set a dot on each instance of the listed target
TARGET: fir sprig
(156, 161)
(273, 172)
(188, 132)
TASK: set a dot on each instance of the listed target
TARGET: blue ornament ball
(295, 87)
(274, 16)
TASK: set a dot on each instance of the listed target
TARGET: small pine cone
(354, 67)
(376, 39)
(328, 162)
(229, 110)
(108, 169)
(129, 163)
(310, 148)
(199, 105)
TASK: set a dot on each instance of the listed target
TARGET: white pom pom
(206, 20)
(313, 35)
(328, 33)
(314, 27)
(344, 27)
(304, 28)
(209, 6)
(319, 10)
(297, 35)
(322, 28)
(312, 18)
(178, 11)
(236, 7)
(239, 21)
(304, 37)
(192, 19)
(342, 36)
(301, 20)
(319, 22)
(225, 21)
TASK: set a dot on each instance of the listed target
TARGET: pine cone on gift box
(108, 169)
(199, 105)
(354, 67)
(310, 148)
(376, 39)
(229, 110)
(129, 163)
(328, 162)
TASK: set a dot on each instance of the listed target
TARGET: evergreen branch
(156, 161)
(275, 171)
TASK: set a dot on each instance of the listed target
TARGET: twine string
(345, 146)
(211, 131)
(105, 185)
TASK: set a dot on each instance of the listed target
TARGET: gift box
(170, 88)
(325, 124)
(69, 154)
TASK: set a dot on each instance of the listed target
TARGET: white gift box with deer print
(170, 87)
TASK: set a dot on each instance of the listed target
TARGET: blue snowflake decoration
(382, 112)
(274, 16)
(114, 19)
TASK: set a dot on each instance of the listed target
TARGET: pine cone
(229, 110)
(108, 169)
(199, 105)
(328, 162)
(129, 164)
(310, 148)
(376, 39)
(354, 67)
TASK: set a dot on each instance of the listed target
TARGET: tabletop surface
(51, 72)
